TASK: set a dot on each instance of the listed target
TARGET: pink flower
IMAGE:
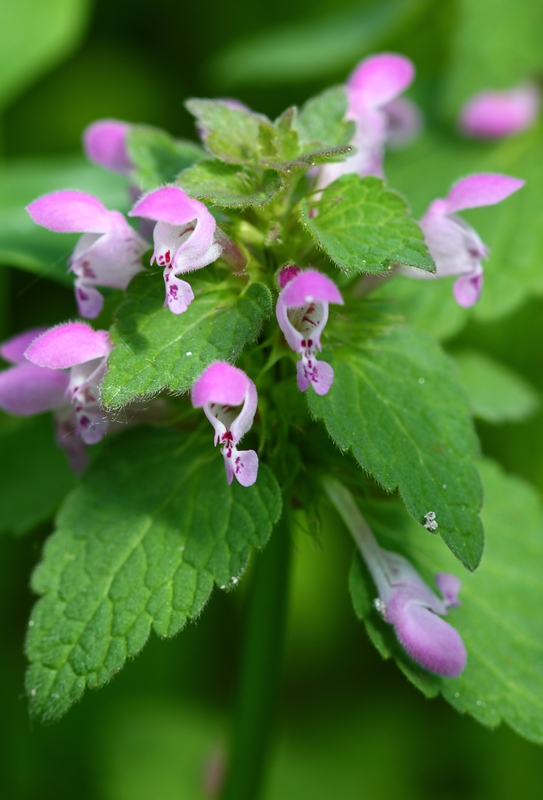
(302, 313)
(186, 238)
(104, 143)
(109, 252)
(493, 115)
(59, 370)
(229, 399)
(372, 87)
(453, 244)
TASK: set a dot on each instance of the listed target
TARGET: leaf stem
(261, 669)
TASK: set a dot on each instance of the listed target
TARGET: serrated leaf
(495, 392)
(34, 472)
(235, 135)
(138, 547)
(321, 121)
(500, 616)
(29, 246)
(396, 405)
(364, 227)
(156, 350)
(157, 157)
(230, 185)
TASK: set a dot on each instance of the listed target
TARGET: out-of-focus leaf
(34, 37)
(34, 472)
(29, 246)
(312, 48)
(495, 392)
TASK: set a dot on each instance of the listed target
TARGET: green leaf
(321, 121)
(500, 616)
(495, 392)
(363, 227)
(34, 472)
(34, 37)
(234, 135)
(230, 185)
(138, 546)
(158, 157)
(396, 405)
(29, 246)
(156, 350)
(312, 48)
(511, 52)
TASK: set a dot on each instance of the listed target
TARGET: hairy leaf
(157, 157)
(138, 546)
(230, 185)
(396, 405)
(364, 227)
(155, 349)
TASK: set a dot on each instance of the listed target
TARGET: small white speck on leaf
(444, 485)
(421, 380)
(30, 623)
(380, 606)
(430, 522)
(188, 353)
(33, 692)
(457, 695)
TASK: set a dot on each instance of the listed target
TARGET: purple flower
(415, 611)
(59, 370)
(109, 252)
(229, 400)
(374, 84)
(453, 244)
(186, 238)
(104, 143)
(405, 601)
(302, 313)
(493, 115)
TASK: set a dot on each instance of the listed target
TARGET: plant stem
(261, 669)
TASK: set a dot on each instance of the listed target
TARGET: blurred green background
(350, 725)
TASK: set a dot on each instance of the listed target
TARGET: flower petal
(69, 344)
(379, 79)
(220, 383)
(26, 389)
(310, 286)
(89, 300)
(14, 349)
(467, 289)
(169, 204)
(484, 189)
(104, 142)
(70, 212)
(179, 294)
(242, 465)
(491, 115)
(430, 641)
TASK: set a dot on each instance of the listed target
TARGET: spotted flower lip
(302, 313)
(372, 87)
(59, 370)
(76, 347)
(496, 114)
(229, 399)
(185, 237)
(104, 143)
(107, 254)
(453, 244)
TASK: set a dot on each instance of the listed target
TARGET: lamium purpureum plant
(239, 290)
